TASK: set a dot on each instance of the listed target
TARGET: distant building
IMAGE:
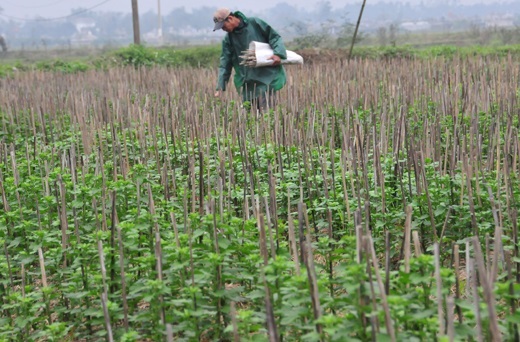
(83, 24)
(83, 38)
(154, 36)
(84, 28)
(189, 31)
(415, 26)
(499, 20)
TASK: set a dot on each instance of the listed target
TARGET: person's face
(230, 23)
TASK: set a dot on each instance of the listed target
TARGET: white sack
(258, 53)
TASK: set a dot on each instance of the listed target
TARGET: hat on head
(219, 17)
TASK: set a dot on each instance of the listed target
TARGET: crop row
(378, 200)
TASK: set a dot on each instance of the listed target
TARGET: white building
(415, 26)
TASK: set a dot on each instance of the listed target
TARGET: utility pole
(159, 29)
(135, 18)
(356, 30)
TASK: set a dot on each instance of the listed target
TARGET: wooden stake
(440, 298)
(369, 245)
(407, 238)
(489, 296)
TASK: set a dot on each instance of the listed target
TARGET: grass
(207, 57)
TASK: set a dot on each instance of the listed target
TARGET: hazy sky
(57, 8)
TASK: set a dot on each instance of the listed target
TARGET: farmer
(256, 85)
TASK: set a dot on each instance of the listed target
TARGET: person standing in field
(256, 85)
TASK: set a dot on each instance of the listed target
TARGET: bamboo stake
(270, 232)
(416, 243)
(104, 301)
(157, 251)
(233, 314)
(444, 226)
(476, 299)
(359, 235)
(104, 296)
(369, 246)
(45, 286)
(487, 255)
(219, 286)
(514, 217)
(427, 192)
(169, 333)
(497, 249)
(306, 247)
(6, 252)
(440, 298)
(273, 204)
(489, 297)
(512, 301)
(121, 267)
(292, 241)
(450, 305)
(456, 267)
(387, 262)
(271, 323)
(407, 238)
(374, 321)
(42, 267)
(360, 251)
(63, 220)
(113, 244)
(345, 193)
(470, 198)
(469, 270)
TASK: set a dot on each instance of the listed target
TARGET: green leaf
(15, 242)
(197, 233)
(514, 318)
(424, 314)
(383, 338)
(223, 243)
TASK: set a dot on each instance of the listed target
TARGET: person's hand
(276, 60)
(218, 93)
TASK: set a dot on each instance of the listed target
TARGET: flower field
(378, 201)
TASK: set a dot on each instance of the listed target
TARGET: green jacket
(251, 82)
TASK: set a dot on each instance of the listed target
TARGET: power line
(38, 6)
(57, 18)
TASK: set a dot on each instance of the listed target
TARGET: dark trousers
(265, 101)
